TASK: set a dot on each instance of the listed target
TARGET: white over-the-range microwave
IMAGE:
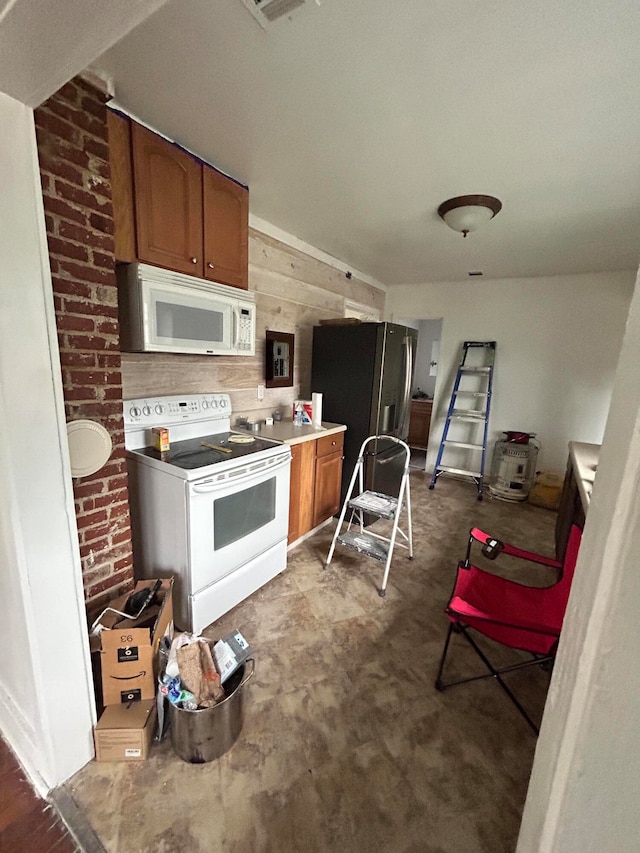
(164, 311)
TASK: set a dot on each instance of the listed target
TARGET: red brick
(61, 169)
(90, 377)
(94, 533)
(68, 287)
(88, 273)
(78, 118)
(99, 186)
(95, 107)
(69, 92)
(98, 167)
(113, 393)
(82, 342)
(61, 247)
(92, 308)
(97, 148)
(82, 489)
(83, 197)
(45, 182)
(118, 511)
(67, 211)
(91, 89)
(117, 582)
(107, 328)
(107, 360)
(95, 518)
(95, 549)
(47, 122)
(72, 323)
(120, 538)
(121, 564)
(101, 223)
(76, 394)
(71, 358)
(81, 235)
(49, 224)
(121, 482)
(102, 260)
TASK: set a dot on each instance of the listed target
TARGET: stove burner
(195, 458)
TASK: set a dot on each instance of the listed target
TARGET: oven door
(236, 515)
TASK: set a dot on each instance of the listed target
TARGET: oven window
(242, 513)
(184, 323)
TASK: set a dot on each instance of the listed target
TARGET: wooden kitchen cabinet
(173, 211)
(168, 203)
(570, 511)
(326, 492)
(419, 423)
(316, 474)
(303, 457)
(226, 229)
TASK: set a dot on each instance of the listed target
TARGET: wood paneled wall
(293, 292)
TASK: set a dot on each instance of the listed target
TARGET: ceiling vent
(266, 11)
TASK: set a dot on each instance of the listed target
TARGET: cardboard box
(124, 732)
(128, 647)
(547, 490)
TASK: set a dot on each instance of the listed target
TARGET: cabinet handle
(194, 260)
(211, 266)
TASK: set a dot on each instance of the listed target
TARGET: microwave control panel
(245, 329)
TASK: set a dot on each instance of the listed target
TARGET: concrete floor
(346, 744)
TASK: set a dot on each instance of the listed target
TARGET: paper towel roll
(316, 403)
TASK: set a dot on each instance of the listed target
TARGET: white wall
(583, 795)
(46, 694)
(558, 343)
(430, 331)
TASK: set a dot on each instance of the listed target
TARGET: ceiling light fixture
(467, 212)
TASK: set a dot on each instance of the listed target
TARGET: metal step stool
(376, 504)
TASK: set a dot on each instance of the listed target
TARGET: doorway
(423, 387)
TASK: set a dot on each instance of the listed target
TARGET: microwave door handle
(236, 326)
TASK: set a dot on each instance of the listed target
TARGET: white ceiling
(352, 120)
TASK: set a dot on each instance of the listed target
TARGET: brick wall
(73, 150)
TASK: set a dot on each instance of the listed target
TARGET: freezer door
(384, 466)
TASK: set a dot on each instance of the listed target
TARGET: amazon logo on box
(128, 648)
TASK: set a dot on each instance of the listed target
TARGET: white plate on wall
(90, 447)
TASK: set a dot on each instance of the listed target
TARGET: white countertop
(584, 458)
(288, 433)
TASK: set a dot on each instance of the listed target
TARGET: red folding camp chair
(513, 614)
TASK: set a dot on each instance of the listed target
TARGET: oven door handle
(254, 472)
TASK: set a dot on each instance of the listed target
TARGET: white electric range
(213, 510)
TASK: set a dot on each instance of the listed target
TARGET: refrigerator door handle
(406, 400)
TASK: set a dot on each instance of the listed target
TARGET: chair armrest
(512, 551)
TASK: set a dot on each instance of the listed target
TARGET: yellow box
(160, 438)
(547, 490)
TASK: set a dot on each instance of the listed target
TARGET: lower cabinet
(419, 423)
(316, 474)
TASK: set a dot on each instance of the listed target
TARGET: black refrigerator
(365, 372)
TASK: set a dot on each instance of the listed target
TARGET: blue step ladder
(461, 411)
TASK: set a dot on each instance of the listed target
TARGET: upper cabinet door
(226, 229)
(168, 203)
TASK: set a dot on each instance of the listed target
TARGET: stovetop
(193, 453)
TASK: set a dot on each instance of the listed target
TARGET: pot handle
(247, 677)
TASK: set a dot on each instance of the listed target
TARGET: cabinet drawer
(329, 444)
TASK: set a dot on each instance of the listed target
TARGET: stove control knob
(159, 409)
(215, 403)
(205, 404)
(146, 411)
(135, 412)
